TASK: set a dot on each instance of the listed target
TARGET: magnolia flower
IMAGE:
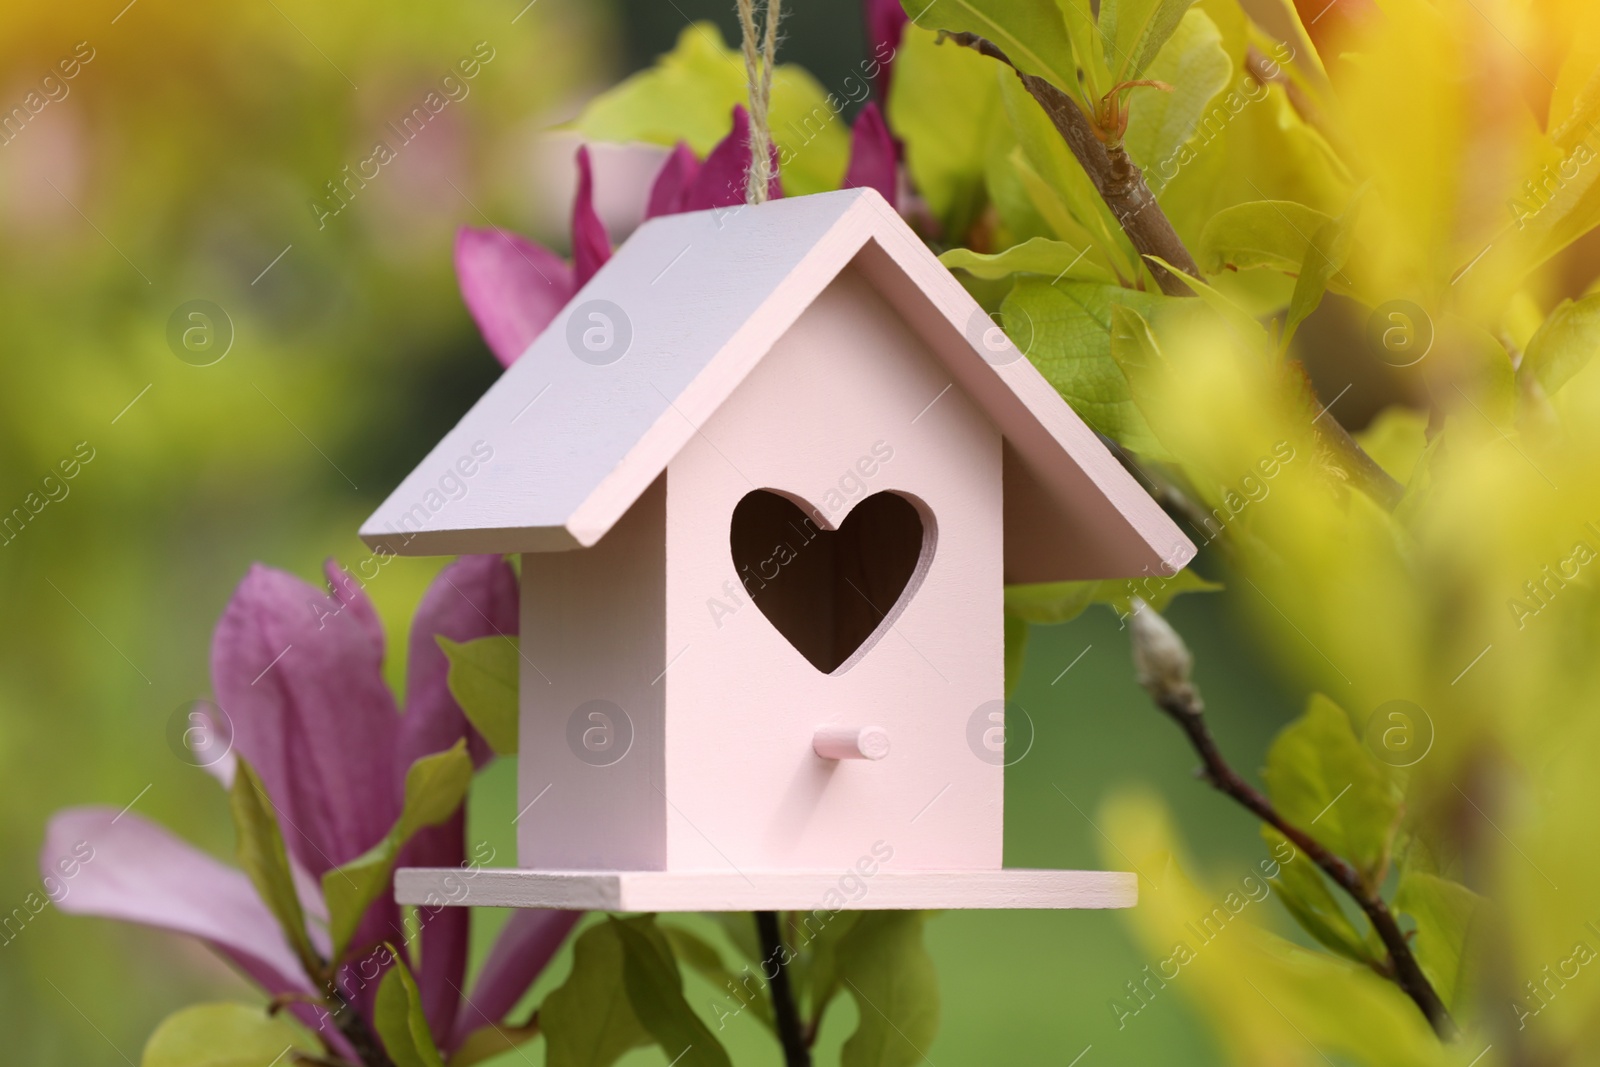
(514, 288)
(298, 672)
(886, 22)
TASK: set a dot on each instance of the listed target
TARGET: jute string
(758, 73)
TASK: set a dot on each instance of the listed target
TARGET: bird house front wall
(592, 655)
(849, 404)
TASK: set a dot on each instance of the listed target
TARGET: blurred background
(181, 163)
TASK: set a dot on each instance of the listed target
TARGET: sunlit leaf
(1049, 603)
(1304, 892)
(222, 1035)
(1443, 911)
(1564, 344)
(1275, 234)
(1194, 64)
(1325, 782)
(1133, 31)
(944, 105)
(1065, 330)
(1053, 259)
(689, 96)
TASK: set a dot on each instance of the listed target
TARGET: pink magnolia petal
(512, 287)
(591, 247)
(344, 587)
(524, 948)
(96, 861)
(872, 155)
(300, 679)
(886, 22)
(721, 179)
(446, 931)
(672, 182)
(476, 596)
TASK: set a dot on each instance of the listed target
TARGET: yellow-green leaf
(1049, 603)
(1197, 68)
(265, 859)
(1564, 343)
(1303, 891)
(1271, 234)
(483, 679)
(222, 1035)
(399, 1020)
(1325, 782)
(689, 96)
(1133, 32)
(435, 788)
(1443, 911)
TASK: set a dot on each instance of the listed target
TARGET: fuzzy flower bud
(1161, 660)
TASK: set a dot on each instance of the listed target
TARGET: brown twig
(1118, 180)
(785, 1013)
(1121, 185)
(1164, 663)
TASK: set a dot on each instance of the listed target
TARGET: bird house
(768, 473)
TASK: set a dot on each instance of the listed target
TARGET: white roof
(701, 298)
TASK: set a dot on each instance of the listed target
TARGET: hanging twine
(758, 73)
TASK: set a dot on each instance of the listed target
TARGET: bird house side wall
(590, 749)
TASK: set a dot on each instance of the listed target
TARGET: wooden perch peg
(851, 742)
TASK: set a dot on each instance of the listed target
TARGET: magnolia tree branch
(785, 1013)
(1116, 178)
(1121, 185)
(1163, 663)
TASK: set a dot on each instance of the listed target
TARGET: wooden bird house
(768, 473)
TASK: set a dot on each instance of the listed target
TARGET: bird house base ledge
(751, 890)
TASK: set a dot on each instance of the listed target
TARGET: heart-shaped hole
(829, 592)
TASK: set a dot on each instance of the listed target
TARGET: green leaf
(1133, 31)
(1325, 258)
(690, 93)
(1066, 188)
(487, 1042)
(222, 1035)
(944, 105)
(435, 788)
(1050, 603)
(706, 961)
(655, 989)
(1271, 234)
(1196, 66)
(589, 1022)
(1443, 911)
(398, 1018)
(884, 965)
(1038, 255)
(1324, 781)
(1065, 329)
(1564, 343)
(264, 858)
(483, 679)
(1086, 49)
(1032, 33)
(1016, 649)
(1303, 890)
(824, 981)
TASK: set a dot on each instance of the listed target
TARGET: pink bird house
(768, 473)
